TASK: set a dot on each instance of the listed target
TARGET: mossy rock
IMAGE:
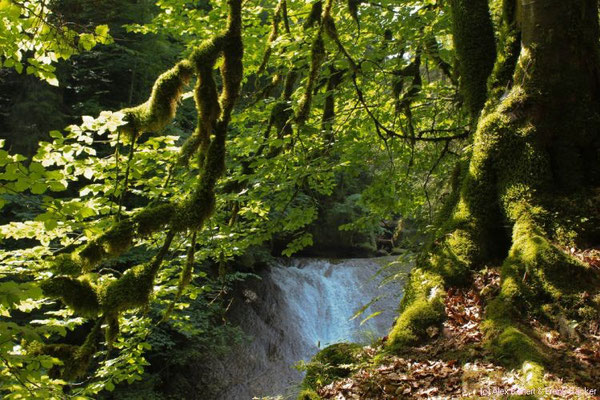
(331, 363)
(411, 326)
(421, 307)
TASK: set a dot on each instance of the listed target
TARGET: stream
(298, 307)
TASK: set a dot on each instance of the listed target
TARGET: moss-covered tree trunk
(530, 186)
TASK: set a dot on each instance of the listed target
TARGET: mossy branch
(334, 80)
(185, 278)
(432, 48)
(331, 30)
(159, 109)
(317, 57)
(134, 288)
(277, 16)
(77, 294)
(76, 359)
(353, 9)
(314, 17)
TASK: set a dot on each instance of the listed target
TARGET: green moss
(159, 109)
(59, 350)
(91, 255)
(207, 98)
(190, 147)
(475, 48)
(112, 329)
(232, 69)
(538, 271)
(118, 238)
(132, 289)
(308, 394)
(277, 15)
(411, 326)
(422, 283)
(498, 313)
(289, 83)
(79, 364)
(153, 218)
(509, 49)
(421, 307)
(281, 114)
(75, 359)
(504, 69)
(508, 343)
(207, 52)
(327, 120)
(331, 363)
(514, 347)
(317, 56)
(64, 264)
(445, 263)
(315, 14)
(78, 294)
(64, 352)
(471, 226)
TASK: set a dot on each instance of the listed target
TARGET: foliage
(33, 39)
(372, 135)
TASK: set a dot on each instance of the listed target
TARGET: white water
(322, 297)
(297, 308)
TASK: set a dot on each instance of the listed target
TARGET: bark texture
(530, 187)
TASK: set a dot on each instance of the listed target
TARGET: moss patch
(77, 294)
(118, 238)
(421, 307)
(153, 218)
(317, 56)
(330, 364)
(91, 255)
(131, 290)
(64, 264)
(412, 324)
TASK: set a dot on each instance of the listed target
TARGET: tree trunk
(533, 171)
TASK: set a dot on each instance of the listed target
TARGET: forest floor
(455, 364)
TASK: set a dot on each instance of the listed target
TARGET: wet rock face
(298, 307)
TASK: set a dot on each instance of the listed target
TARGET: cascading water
(296, 308)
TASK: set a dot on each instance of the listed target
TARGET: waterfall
(298, 307)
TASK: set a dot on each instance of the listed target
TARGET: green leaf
(38, 188)
(87, 41)
(373, 315)
(101, 30)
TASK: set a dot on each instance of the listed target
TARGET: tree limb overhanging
(133, 289)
